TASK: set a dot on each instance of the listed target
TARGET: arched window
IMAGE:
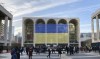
(51, 21)
(29, 28)
(73, 31)
(40, 26)
(62, 26)
(40, 21)
(51, 26)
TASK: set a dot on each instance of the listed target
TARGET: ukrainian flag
(51, 33)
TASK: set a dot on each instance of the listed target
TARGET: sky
(82, 9)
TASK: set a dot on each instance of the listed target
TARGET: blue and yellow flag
(51, 33)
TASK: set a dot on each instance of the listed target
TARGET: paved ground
(35, 56)
(91, 55)
(41, 56)
(55, 56)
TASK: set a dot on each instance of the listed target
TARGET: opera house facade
(50, 31)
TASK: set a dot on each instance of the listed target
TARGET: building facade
(50, 31)
(5, 30)
(95, 25)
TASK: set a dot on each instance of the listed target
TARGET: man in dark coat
(71, 50)
(27, 49)
(18, 53)
(67, 49)
(30, 52)
(59, 52)
(49, 52)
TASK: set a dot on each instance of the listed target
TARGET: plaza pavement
(81, 55)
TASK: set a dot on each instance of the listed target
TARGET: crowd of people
(89, 49)
(71, 50)
(17, 51)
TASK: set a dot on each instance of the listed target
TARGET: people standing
(76, 49)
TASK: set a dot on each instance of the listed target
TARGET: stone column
(92, 27)
(78, 33)
(46, 34)
(97, 24)
(10, 32)
(5, 30)
(68, 33)
(57, 33)
(34, 33)
(23, 33)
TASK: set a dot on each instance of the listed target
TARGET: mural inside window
(29, 30)
(73, 32)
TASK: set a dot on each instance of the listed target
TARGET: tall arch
(73, 28)
(40, 26)
(51, 21)
(40, 32)
(62, 26)
(51, 26)
(62, 29)
(29, 28)
(51, 31)
(40, 21)
(62, 21)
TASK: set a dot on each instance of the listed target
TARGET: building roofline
(3, 10)
(55, 17)
(96, 13)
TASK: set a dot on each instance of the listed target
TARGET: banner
(51, 33)
(51, 28)
(42, 38)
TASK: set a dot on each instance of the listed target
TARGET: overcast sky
(81, 9)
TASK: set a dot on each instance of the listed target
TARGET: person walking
(13, 54)
(27, 49)
(67, 49)
(21, 50)
(18, 52)
(30, 52)
(49, 53)
(71, 50)
(59, 51)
